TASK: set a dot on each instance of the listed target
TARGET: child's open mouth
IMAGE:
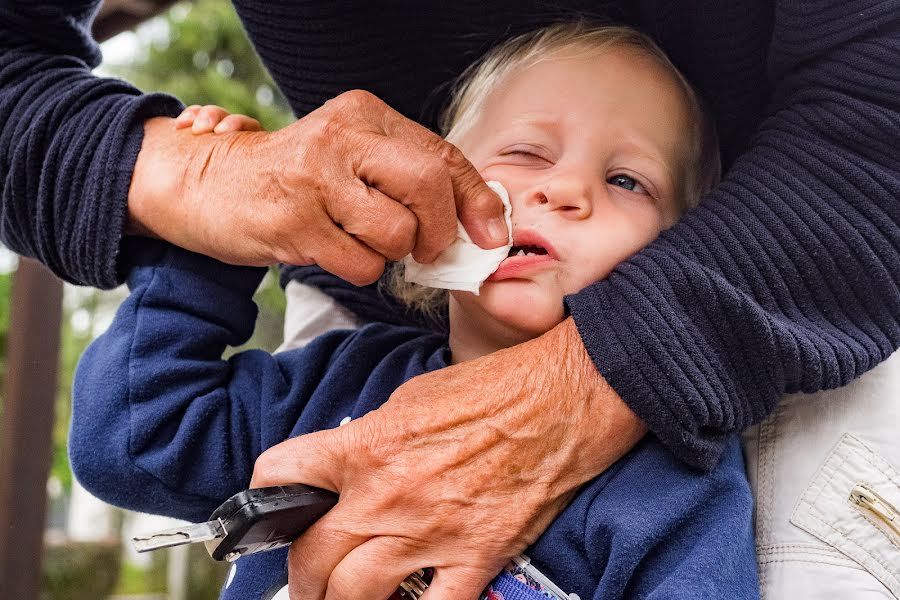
(521, 260)
(527, 251)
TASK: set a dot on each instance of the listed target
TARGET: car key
(250, 521)
(263, 519)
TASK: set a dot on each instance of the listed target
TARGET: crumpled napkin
(463, 265)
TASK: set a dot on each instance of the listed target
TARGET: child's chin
(525, 307)
(530, 320)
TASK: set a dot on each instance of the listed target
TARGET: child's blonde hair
(700, 171)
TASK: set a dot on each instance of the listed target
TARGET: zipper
(870, 502)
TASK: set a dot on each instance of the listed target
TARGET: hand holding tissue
(463, 265)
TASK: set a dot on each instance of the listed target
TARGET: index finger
(478, 208)
(314, 459)
(314, 556)
(419, 180)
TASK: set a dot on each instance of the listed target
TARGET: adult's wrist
(605, 428)
(186, 189)
(158, 174)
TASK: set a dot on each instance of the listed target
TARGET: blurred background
(57, 541)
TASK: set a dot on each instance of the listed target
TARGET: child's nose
(569, 194)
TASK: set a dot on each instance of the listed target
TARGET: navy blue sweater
(785, 279)
(161, 423)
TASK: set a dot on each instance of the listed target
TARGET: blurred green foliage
(80, 570)
(134, 579)
(204, 57)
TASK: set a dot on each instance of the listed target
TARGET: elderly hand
(348, 187)
(460, 470)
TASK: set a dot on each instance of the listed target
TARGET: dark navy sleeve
(787, 277)
(68, 140)
(161, 422)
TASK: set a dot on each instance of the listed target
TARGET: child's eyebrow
(537, 120)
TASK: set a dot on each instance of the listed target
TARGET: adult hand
(460, 470)
(347, 187)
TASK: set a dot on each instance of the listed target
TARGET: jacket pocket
(852, 505)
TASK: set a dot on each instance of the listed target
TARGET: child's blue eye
(626, 182)
(623, 181)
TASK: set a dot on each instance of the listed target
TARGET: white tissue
(463, 265)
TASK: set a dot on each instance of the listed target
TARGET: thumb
(479, 208)
(314, 459)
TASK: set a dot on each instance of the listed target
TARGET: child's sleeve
(666, 531)
(161, 422)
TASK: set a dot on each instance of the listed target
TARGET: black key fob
(267, 518)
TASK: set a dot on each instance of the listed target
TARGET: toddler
(601, 145)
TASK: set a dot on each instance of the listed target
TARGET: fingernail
(202, 123)
(497, 229)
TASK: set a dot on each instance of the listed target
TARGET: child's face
(591, 149)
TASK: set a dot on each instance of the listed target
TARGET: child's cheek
(593, 269)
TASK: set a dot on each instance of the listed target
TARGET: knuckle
(366, 271)
(481, 203)
(323, 127)
(433, 172)
(400, 236)
(366, 442)
(358, 99)
(328, 129)
(264, 469)
(451, 155)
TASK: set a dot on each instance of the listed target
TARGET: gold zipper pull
(868, 500)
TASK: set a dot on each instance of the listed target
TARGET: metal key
(250, 521)
(185, 534)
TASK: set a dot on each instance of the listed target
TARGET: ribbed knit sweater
(786, 278)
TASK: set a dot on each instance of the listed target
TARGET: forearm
(596, 425)
(786, 277)
(68, 141)
(175, 176)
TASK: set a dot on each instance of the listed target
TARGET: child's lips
(517, 266)
(539, 254)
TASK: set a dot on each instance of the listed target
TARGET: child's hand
(212, 118)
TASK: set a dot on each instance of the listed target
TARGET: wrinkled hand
(460, 470)
(348, 187)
